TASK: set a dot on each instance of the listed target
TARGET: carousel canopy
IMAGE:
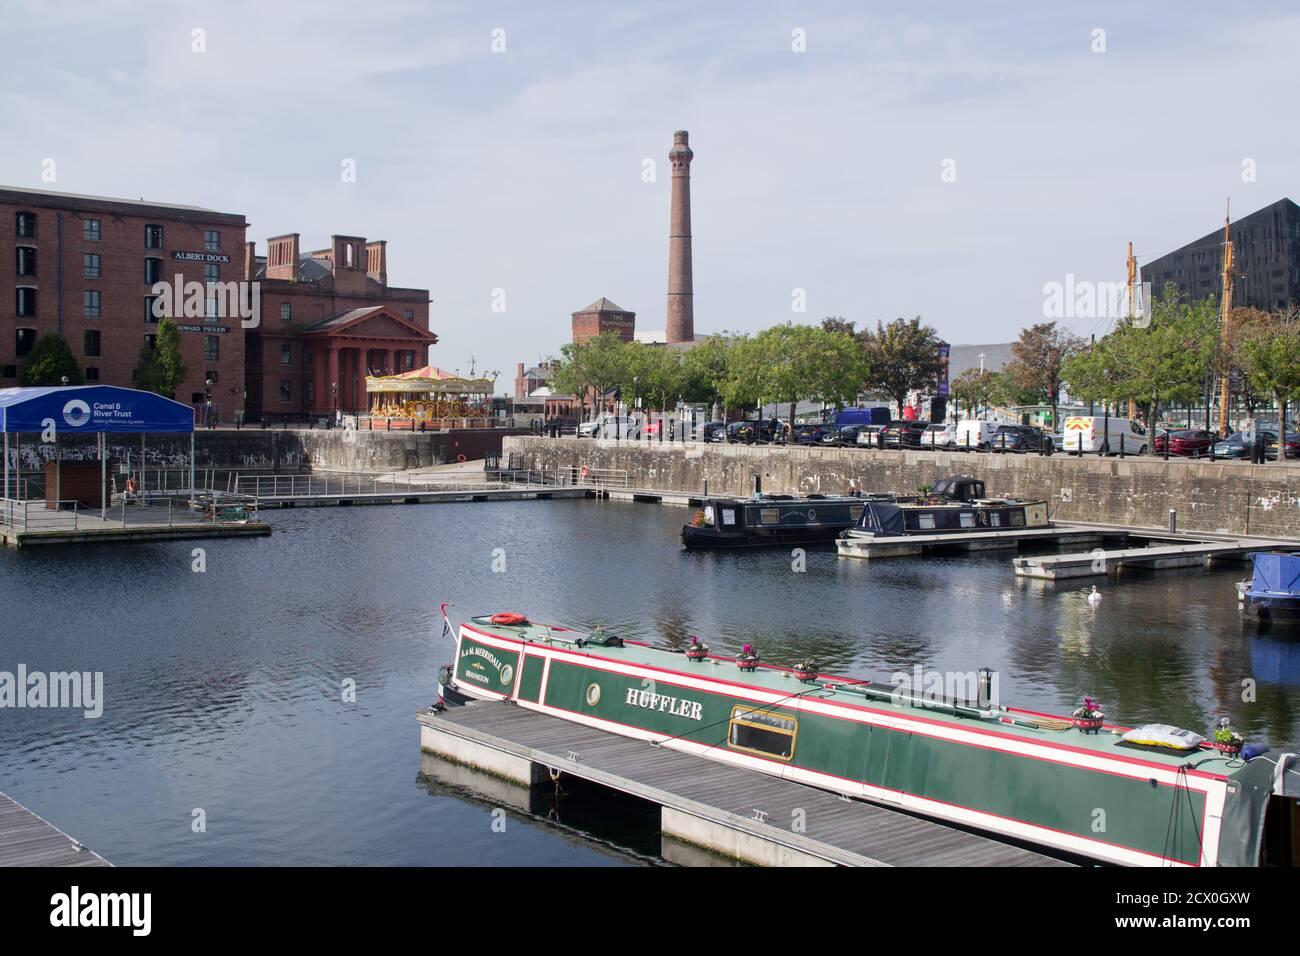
(429, 379)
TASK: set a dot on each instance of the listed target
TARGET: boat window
(708, 514)
(762, 732)
(769, 516)
(925, 521)
(995, 519)
(855, 512)
(1017, 518)
(967, 519)
(728, 516)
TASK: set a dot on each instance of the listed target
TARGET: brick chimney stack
(377, 261)
(681, 294)
(282, 257)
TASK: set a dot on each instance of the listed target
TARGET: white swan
(1094, 598)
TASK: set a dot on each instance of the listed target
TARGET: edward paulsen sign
(200, 257)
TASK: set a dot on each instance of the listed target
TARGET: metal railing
(153, 510)
(344, 484)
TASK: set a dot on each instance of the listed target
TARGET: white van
(1090, 433)
(974, 434)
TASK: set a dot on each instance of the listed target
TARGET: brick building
(84, 266)
(329, 319)
(603, 316)
(530, 380)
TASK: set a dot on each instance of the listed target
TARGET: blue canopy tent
(90, 409)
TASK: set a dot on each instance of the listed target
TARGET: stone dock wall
(1235, 498)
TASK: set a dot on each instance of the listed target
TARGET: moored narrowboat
(1169, 797)
(953, 505)
(1273, 594)
(770, 520)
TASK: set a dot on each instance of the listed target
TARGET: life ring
(460, 458)
(508, 619)
(584, 471)
(130, 485)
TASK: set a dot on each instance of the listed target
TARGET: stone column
(333, 398)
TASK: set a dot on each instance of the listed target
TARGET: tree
(902, 357)
(839, 365)
(1038, 359)
(1272, 356)
(704, 368)
(50, 361)
(162, 369)
(973, 388)
(837, 323)
(596, 365)
(1231, 360)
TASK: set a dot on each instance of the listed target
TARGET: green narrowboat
(1013, 773)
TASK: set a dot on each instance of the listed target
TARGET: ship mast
(1226, 308)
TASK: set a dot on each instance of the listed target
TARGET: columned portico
(355, 344)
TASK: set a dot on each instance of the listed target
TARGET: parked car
(1189, 442)
(1021, 438)
(975, 434)
(869, 436)
(811, 433)
(1237, 445)
(1101, 435)
(749, 432)
(939, 435)
(1058, 441)
(845, 436)
(610, 426)
(903, 434)
(713, 431)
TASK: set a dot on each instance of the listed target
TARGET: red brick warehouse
(85, 266)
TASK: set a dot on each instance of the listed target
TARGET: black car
(761, 431)
(812, 433)
(846, 436)
(902, 434)
(1021, 438)
(713, 431)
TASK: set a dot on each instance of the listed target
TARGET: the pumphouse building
(1266, 251)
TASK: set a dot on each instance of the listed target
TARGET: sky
(946, 160)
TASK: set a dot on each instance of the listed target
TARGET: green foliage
(1034, 375)
(902, 357)
(162, 369)
(1271, 355)
(974, 388)
(51, 359)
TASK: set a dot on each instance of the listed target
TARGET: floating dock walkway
(27, 840)
(897, 546)
(1168, 550)
(752, 817)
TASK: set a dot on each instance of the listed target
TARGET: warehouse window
(92, 374)
(90, 303)
(286, 390)
(286, 355)
(153, 237)
(90, 265)
(90, 343)
(25, 225)
(25, 301)
(90, 230)
(286, 311)
(149, 314)
(762, 732)
(211, 348)
(24, 339)
(26, 261)
(152, 270)
(211, 240)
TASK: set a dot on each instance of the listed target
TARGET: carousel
(430, 398)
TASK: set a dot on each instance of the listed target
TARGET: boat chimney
(987, 688)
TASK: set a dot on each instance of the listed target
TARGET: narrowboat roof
(770, 500)
(1055, 729)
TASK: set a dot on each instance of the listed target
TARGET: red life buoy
(584, 471)
(508, 619)
(460, 458)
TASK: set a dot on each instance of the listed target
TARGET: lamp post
(636, 402)
(207, 399)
